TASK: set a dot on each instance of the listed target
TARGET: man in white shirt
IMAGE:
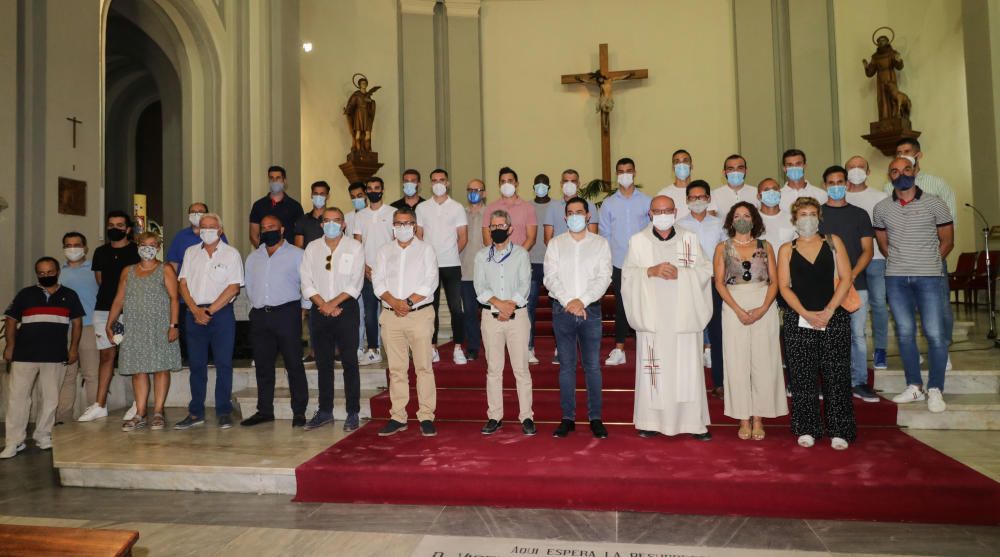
(405, 277)
(778, 228)
(577, 274)
(677, 191)
(373, 228)
(442, 223)
(793, 163)
(734, 170)
(332, 272)
(210, 279)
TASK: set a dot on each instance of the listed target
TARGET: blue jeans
(907, 296)
(536, 287)
(949, 317)
(220, 336)
(473, 336)
(875, 273)
(572, 331)
(859, 343)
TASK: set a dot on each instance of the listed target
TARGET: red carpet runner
(886, 475)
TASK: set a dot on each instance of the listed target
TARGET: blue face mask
(277, 187)
(331, 229)
(474, 197)
(576, 223)
(319, 200)
(358, 202)
(904, 182)
(682, 171)
(836, 193)
(541, 190)
(795, 173)
(771, 198)
(735, 178)
(409, 189)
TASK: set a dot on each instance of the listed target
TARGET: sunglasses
(329, 262)
(746, 271)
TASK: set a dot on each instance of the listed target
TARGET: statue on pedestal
(894, 106)
(362, 163)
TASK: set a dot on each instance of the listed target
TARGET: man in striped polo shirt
(915, 230)
(46, 312)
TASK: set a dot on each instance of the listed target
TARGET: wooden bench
(36, 541)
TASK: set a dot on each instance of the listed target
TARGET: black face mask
(48, 282)
(116, 234)
(270, 237)
(499, 236)
(374, 196)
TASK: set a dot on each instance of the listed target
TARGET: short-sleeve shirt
(475, 244)
(440, 223)
(522, 215)
(790, 194)
(110, 261)
(866, 199)
(724, 197)
(555, 216)
(287, 210)
(208, 276)
(181, 242)
(44, 320)
(80, 279)
(401, 202)
(375, 228)
(851, 224)
(914, 247)
(621, 218)
(309, 227)
(537, 254)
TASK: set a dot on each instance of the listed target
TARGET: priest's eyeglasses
(662, 211)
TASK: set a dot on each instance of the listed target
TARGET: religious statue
(360, 111)
(894, 106)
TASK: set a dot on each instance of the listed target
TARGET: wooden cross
(604, 78)
(75, 122)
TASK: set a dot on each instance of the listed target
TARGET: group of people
(748, 281)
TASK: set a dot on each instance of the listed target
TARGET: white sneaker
(372, 356)
(459, 356)
(838, 444)
(130, 413)
(921, 359)
(436, 358)
(10, 451)
(93, 412)
(615, 358)
(806, 441)
(361, 356)
(706, 358)
(45, 443)
(532, 359)
(555, 356)
(913, 393)
(947, 367)
(935, 401)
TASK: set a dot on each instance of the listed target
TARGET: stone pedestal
(360, 166)
(884, 134)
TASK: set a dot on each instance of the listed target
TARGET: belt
(488, 307)
(425, 306)
(269, 309)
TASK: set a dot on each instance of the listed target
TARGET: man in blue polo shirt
(78, 276)
(277, 203)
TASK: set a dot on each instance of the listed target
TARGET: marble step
(960, 330)
(965, 411)
(957, 381)
(372, 377)
(246, 399)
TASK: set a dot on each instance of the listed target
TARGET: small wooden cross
(75, 122)
(604, 78)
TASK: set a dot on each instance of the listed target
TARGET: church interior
(149, 106)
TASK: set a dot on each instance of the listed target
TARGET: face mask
(358, 202)
(374, 196)
(836, 193)
(319, 201)
(74, 254)
(47, 282)
(742, 225)
(807, 227)
(857, 176)
(195, 218)
(569, 189)
(663, 222)
(682, 171)
(904, 182)
(403, 233)
(147, 253)
(209, 236)
(277, 187)
(116, 234)
(795, 173)
(541, 190)
(499, 236)
(625, 180)
(270, 237)
(474, 197)
(331, 229)
(913, 160)
(770, 198)
(409, 189)
(508, 189)
(735, 178)
(698, 206)
(576, 223)
(439, 188)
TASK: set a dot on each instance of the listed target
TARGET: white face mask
(807, 226)
(439, 188)
(209, 235)
(403, 233)
(663, 222)
(569, 189)
(913, 160)
(507, 189)
(195, 219)
(625, 180)
(857, 176)
(147, 253)
(699, 206)
(74, 254)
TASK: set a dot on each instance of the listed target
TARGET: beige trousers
(400, 336)
(22, 379)
(86, 367)
(513, 336)
(755, 383)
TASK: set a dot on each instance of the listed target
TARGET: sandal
(744, 432)
(758, 434)
(159, 422)
(138, 422)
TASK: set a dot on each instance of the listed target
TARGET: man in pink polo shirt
(523, 221)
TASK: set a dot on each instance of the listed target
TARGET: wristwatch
(409, 302)
(175, 325)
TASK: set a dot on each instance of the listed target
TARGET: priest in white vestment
(668, 301)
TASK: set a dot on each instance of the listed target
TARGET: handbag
(852, 301)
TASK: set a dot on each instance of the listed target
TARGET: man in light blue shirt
(554, 221)
(273, 287)
(623, 214)
(77, 275)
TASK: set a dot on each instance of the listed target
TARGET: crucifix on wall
(75, 122)
(603, 77)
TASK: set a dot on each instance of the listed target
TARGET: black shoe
(392, 428)
(646, 434)
(310, 359)
(299, 421)
(189, 422)
(564, 428)
(528, 427)
(319, 420)
(491, 427)
(471, 355)
(597, 427)
(352, 422)
(427, 428)
(257, 418)
(225, 421)
(707, 436)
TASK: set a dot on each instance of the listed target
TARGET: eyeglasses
(663, 211)
(746, 271)
(499, 226)
(403, 223)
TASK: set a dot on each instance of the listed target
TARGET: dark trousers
(572, 332)
(450, 279)
(537, 274)
(715, 337)
(622, 328)
(473, 336)
(342, 332)
(272, 332)
(219, 336)
(371, 303)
